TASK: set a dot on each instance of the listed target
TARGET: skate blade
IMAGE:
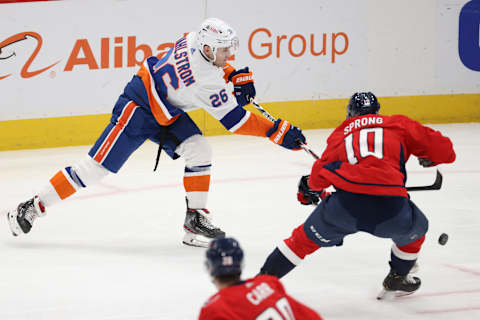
(386, 295)
(193, 240)
(391, 295)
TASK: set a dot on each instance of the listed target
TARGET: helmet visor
(232, 44)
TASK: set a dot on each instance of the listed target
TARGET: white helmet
(215, 33)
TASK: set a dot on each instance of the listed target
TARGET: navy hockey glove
(243, 86)
(426, 163)
(307, 196)
(286, 135)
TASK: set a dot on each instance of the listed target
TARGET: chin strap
(206, 58)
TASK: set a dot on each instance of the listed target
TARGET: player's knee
(321, 232)
(196, 151)
(420, 220)
(300, 243)
(416, 232)
(87, 172)
(413, 247)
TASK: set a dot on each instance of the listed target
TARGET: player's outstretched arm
(430, 146)
(218, 102)
(286, 135)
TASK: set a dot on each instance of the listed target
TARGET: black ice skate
(396, 285)
(21, 219)
(197, 224)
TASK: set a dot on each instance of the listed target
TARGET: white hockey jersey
(183, 80)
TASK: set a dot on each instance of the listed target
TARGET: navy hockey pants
(343, 213)
(128, 129)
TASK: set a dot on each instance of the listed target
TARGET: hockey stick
(437, 184)
(271, 118)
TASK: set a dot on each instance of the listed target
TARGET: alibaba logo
(25, 72)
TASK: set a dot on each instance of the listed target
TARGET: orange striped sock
(63, 184)
(196, 183)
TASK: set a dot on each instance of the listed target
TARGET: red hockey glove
(286, 135)
(307, 196)
(426, 163)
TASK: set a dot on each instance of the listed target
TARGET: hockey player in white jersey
(193, 74)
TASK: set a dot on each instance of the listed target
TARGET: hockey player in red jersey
(154, 104)
(259, 298)
(365, 161)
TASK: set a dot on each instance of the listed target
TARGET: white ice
(113, 251)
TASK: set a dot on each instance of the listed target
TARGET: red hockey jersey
(367, 154)
(259, 298)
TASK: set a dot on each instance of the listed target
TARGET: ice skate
(198, 228)
(21, 219)
(396, 285)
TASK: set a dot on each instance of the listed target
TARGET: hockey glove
(426, 163)
(286, 135)
(307, 196)
(243, 86)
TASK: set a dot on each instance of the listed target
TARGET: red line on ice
(116, 190)
(444, 293)
(463, 269)
(449, 310)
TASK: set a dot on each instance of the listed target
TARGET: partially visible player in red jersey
(365, 162)
(259, 298)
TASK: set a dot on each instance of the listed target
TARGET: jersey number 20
(370, 143)
(281, 311)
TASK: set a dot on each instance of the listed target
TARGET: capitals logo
(366, 102)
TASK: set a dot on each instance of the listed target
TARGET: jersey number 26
(218, 99)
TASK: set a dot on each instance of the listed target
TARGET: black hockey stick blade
(435, 186)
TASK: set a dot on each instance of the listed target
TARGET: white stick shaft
(271, 118)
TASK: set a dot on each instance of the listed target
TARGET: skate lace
(410, 279)
(204, 222)
(29, 212)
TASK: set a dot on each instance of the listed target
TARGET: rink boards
(82, 130)
(58, 85)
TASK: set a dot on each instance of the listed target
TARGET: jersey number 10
(370, 143)
(281, 311)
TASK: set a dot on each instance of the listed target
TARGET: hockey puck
(443, 239)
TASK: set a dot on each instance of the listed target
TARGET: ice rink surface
(113, 251)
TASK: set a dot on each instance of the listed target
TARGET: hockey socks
(66, 182)
(289, 253)
(277, 264)
(71, 179)
(196, 182)
(403, 258)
